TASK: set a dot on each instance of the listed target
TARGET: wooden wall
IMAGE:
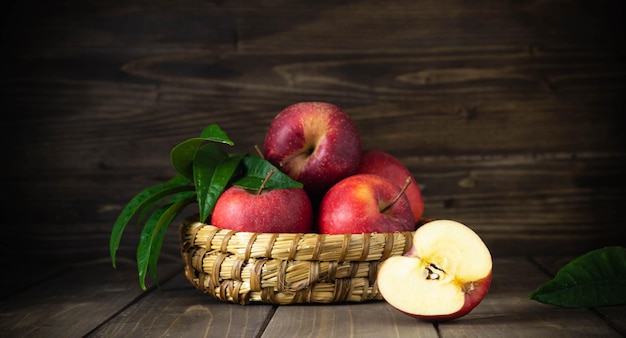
(509, 113)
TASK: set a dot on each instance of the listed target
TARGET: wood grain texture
(179, 310)
(509, 113)
(73, 303)
(93, 300)
(376, 319)
(507, 310)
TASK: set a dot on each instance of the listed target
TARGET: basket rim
(291, 246)
(196, 219)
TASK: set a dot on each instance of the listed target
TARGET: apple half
(445, 274)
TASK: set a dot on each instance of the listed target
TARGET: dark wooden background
(509, 113)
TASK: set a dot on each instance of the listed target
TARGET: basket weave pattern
(286, 268)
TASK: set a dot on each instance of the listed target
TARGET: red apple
(315, 143)
(365, 203)
(378, 162)
(445, 274)
(275, 211)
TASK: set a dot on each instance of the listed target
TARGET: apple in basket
(374, 161)
(445, 274)
(286, 210)
(365, 203)
(315, 143)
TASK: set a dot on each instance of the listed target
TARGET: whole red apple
(381, 163)
(286, 210)
(315, 143)
(364, 203)
(445, 274)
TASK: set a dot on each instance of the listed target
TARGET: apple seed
(429, 274)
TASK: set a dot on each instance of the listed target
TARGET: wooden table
(509, 114)
(91, 299)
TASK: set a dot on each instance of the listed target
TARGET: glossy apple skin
(315, 143)
(353, 205)
(381, 163)
(272, 211)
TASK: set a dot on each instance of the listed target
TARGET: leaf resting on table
(595, 279)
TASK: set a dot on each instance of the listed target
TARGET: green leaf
(183, 154)
(151, 238)
(256, 171)
(211, 179)
(177, 204)
(145, 240)
(214, 133)
(141, 201)
(595, 279)
(150, 204)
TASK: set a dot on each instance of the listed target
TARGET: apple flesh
(364, 203)
(374, 161)
(276, 211)
(315, 143)
(445, 274)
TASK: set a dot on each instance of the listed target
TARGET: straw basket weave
(286, 268)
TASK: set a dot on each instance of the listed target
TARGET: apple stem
(390, 204)
(267, 178)
(258, 151)
(288, 159)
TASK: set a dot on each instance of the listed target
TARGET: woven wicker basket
(286, 268)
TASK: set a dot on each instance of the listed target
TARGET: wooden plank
(502, 110)
(354, 25)
(507, 310)
(615, 316)
(179, 310)
(62, 245)
(453, 114)
(22, 276)
(74, 303)
(375, 319)
(519, 204)
(526, 205)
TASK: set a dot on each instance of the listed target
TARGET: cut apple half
(445, 274)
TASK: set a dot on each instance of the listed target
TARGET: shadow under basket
(286, 268)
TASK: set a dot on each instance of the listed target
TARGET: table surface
(91, 299)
